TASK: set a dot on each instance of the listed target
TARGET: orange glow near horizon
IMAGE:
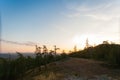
(78, 40)
(12, 48)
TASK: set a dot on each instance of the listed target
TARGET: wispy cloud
(19, 43)
(101, 11)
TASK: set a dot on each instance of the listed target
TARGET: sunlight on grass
(48, 76)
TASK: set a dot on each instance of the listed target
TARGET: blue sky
(64, 23)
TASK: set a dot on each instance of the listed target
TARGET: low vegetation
(49, 66)
(13, 69)
(109, 53)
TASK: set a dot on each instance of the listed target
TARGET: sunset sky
(64, 23)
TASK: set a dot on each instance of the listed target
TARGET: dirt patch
(83, 67)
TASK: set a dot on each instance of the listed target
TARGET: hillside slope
(109, 53)
(75, 69)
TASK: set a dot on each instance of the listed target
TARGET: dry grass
(48, 76)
